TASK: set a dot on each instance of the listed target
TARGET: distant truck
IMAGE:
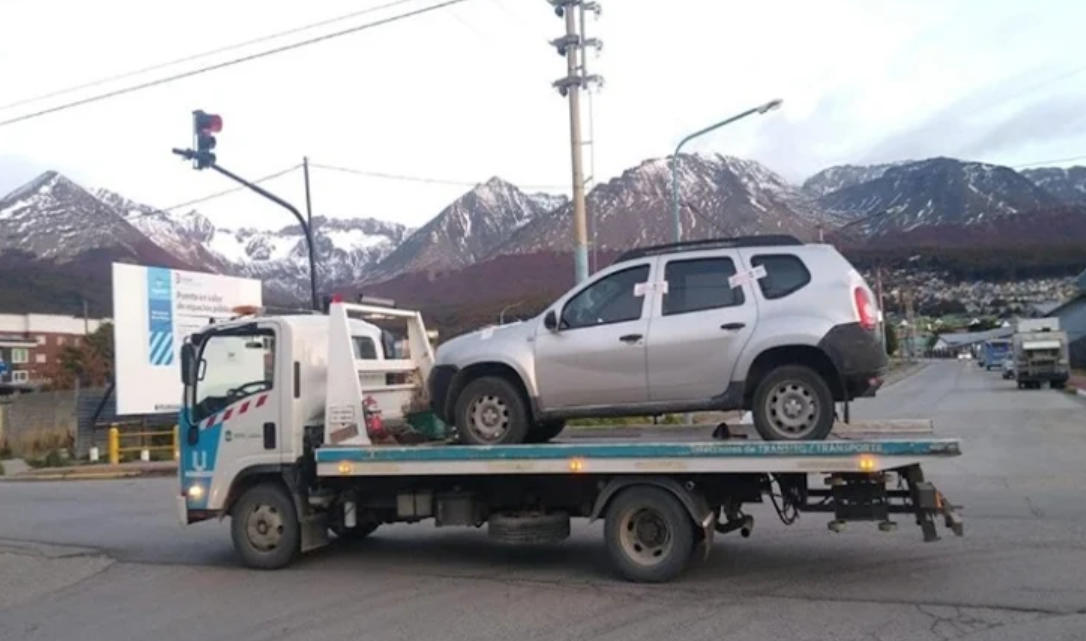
(994, 353)
(1041, 353)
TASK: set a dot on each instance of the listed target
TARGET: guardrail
(115, 449)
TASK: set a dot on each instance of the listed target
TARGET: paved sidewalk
(95, 472)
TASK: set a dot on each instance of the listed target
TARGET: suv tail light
(865, 309)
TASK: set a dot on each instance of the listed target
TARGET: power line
(220, 194)
(197, 56)
(417, 179)
(1049, 162)
(233, 62)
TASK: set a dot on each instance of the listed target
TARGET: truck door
(233, 419)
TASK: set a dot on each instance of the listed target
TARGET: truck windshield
(232, 367)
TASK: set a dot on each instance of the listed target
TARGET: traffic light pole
(188, 154)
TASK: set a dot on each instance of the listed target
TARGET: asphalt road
(105, 559)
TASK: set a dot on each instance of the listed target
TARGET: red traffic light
(210, 123)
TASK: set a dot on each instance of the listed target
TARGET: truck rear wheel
(265, 529)
(649, 534)
(793, 403)
(491, 411)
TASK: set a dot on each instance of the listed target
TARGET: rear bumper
(438, 386)
(859, 358)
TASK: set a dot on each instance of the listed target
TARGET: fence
(149, 442)
(31, 424)
(37, 422)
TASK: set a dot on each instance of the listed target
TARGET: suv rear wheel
(491, 411)
(793, 403)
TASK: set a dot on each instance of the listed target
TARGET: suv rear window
(784, 274)
(699, 284)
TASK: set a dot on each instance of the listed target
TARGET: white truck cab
(257, 387)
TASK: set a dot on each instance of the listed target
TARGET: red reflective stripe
(260, 401)
(244, 407)
(226, 416)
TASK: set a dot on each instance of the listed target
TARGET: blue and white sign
(154, 309)
(160, 316)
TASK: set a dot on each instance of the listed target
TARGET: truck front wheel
(264, 526)
(649, 534)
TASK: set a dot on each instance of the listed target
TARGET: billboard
(154, 309)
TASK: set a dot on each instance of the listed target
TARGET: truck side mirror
(188, 357)
(550, 321)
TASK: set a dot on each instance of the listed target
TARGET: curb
(87, 476)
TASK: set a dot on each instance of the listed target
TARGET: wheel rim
(646, 539)
(264, 528)
(792, 409)
(488, 417)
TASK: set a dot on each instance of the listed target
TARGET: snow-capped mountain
(468, 230)
(186, 236)
(719, 196)
(55, 219)
(840, 176)
(936, 192)
(52, 221)
(1067, 184)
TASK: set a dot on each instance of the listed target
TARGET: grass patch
(52, 458)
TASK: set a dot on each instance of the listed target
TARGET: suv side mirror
(550, 321)
(188, 357)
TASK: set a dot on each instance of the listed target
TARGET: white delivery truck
(1041, 353)
(288, 449)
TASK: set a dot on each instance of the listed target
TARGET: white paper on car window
(640, 289)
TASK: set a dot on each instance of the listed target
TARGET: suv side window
(699, 284)
(784, 274)
(608, 300)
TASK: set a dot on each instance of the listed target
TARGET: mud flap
(314, 531)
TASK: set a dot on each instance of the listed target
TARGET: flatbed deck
(861, 447)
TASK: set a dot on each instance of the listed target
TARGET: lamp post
(676, 223)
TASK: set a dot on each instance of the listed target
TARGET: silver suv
(764, 323)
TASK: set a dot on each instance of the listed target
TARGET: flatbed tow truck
(279, 411)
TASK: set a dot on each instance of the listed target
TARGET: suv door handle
(733, 326)
(630, 338)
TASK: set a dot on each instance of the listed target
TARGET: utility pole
(570, 46)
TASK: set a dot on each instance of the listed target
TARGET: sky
(463, 93)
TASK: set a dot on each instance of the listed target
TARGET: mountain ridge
(51, 220)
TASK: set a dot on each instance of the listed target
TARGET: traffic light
(203, 126)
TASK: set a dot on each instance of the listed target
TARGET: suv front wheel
(793, 403)
(491, 411)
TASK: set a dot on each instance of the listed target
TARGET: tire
(1058, 384)
(500, 409)
(545, 431)
(264, 527)
(649, 534)
(536, 529)
(794, 389)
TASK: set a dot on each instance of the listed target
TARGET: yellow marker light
(345, 468)
(576, 465)
(868, 463)
(195, 492)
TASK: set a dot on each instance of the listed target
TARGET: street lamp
(677, 224)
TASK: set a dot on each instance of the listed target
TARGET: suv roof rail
(767, 240)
